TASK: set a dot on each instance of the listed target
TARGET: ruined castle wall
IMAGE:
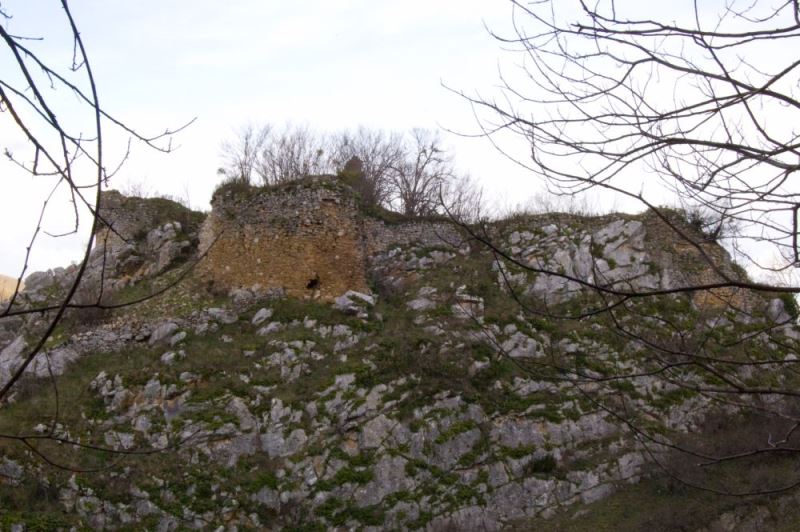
(131, 218)
(380, 236)
(290, 236)
(286, 238)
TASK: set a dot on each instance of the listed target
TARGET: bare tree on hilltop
(295, 151)
(241, 156)
(379, 152)
(412, 173)
(416, 181)
(618, 98)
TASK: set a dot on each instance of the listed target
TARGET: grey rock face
(261, 316)
(163, 245)
(273, 443)
(177, 338)
(424, 299)
(354, 303)
(295, 442)
(356, 442)
(269, 498)
(223, 316)
(270, 328)
(55, 361)
(11, 357)
(467, 306)
(247, 421)
(612, 255)
(11, 471)
(520, 345)
(231, 449)
(39, 281)
(375, 431)
(119, 440)
(447, 454)
(470, 518)
(389, 477)
(162, 333)
(776, 311)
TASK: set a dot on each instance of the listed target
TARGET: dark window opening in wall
(313, 283)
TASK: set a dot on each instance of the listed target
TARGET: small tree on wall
(418, 179)
(241, 156)
(411, 173)
(379, 152)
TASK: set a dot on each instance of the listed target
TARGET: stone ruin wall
(289, 237)
(284, 238)
(131, 218)
(380, 236)
(309, 239)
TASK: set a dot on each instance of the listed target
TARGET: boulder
(163, 333)
(223, 316)
(355, 303)
(261, 316)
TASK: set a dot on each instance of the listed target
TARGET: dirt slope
(7, 285)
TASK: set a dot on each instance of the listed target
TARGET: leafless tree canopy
(296, 151)
(379, 152)
(614, 96)
(241, 157)
(411, 173)
(418, 178)
(630, 99)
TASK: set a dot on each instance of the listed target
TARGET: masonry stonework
(308, 238)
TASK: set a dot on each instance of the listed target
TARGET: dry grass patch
(7, 285)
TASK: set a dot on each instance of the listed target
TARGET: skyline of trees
(412, 173)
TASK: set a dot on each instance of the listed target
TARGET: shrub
(790, 305)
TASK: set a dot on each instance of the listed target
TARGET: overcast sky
(329, 65)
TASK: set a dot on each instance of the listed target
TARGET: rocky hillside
(420, 386)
